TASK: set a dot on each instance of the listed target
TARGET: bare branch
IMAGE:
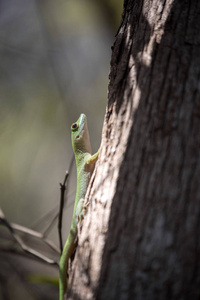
(35, 234)
(21, 243)
(62, 195)
(63, 188)
(49, 214)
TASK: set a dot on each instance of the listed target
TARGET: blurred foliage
(54, 65)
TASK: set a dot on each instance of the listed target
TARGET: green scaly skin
(84, 166)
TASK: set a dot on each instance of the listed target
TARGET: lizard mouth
(82, 126)
(82, 121)
(82, 118)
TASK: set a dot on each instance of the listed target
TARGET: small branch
(63, 188)
(22, 245)
(48, 215)
(62, 196)
(54, 219)
(11, 250)
(36, 235)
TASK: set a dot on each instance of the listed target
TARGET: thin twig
(35, 234)
(52, 213)
(14, 251)
(54, 219)
(63, 188)
(22, 245)
(62, 196)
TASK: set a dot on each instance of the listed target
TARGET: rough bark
(140, 237)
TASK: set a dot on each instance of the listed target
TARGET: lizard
(84, 168)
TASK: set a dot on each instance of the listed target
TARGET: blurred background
(54, 65)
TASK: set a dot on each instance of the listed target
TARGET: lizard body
(84, 167)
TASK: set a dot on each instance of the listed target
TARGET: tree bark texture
(140, 238)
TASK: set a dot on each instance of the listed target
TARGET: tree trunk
(140, 238)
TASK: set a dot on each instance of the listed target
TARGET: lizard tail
(64, 262)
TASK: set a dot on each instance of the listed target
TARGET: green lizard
(84, 167)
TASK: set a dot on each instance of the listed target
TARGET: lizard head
(80, 135)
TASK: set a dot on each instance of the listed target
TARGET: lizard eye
(74, 126)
